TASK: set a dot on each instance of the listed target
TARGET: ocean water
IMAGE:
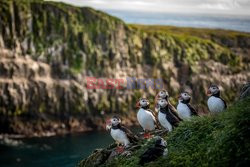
(56, 151)
(229, 22)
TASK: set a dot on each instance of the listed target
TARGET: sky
(232, 7)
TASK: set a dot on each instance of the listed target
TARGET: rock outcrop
(31, 99)
(48, 50)
(245, 91)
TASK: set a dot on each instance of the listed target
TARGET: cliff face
(31, 98)
(48, 49)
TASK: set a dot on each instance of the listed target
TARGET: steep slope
(74, 43)
(214, 140)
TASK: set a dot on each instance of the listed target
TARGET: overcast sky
(240, 7)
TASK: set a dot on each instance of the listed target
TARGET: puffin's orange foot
(119, 149)
(147, 136)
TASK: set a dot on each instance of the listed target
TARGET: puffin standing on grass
(145, 117)
(163, 94)
(184, 109)
(215, 102)
(120, 133)
(166, 117)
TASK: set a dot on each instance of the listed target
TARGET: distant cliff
(48, 49)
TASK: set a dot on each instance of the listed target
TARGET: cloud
(97, 2)
(219, 5)
(191, 6)
(214, 7)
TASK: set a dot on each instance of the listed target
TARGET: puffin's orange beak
(108, 122)
(179, 97)
(137, 104)
(208, 92)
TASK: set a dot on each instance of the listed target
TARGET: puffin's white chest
(119, 136)
(183, 111)
(215, 104)
(146, 119)
(164, 122)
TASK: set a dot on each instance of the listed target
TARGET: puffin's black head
(163, 94)
(184, 97)
(115, 121)
(160, 142)
(213, 90)
(142, 103)
(162, 103)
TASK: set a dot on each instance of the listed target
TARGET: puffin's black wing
(224, 102)
(132, 138)
(193, 111)
(174, 111)
(151, 154)
(154, 114)
(171, 117)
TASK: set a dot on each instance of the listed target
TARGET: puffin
(155, 152)
(120, 133)
(163, 94)
(145, 117)
(184, 108)
(166, 117)
(215, 103)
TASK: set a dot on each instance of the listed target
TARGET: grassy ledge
(213, 140)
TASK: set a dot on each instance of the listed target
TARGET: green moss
(104, 104)
(185, 47)
(17, 112)
(216, 35)
(42, 108)
(56, 25)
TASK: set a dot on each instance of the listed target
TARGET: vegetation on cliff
(213, 140)
(76, 42)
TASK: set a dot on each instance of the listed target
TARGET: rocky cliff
(48, 49)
